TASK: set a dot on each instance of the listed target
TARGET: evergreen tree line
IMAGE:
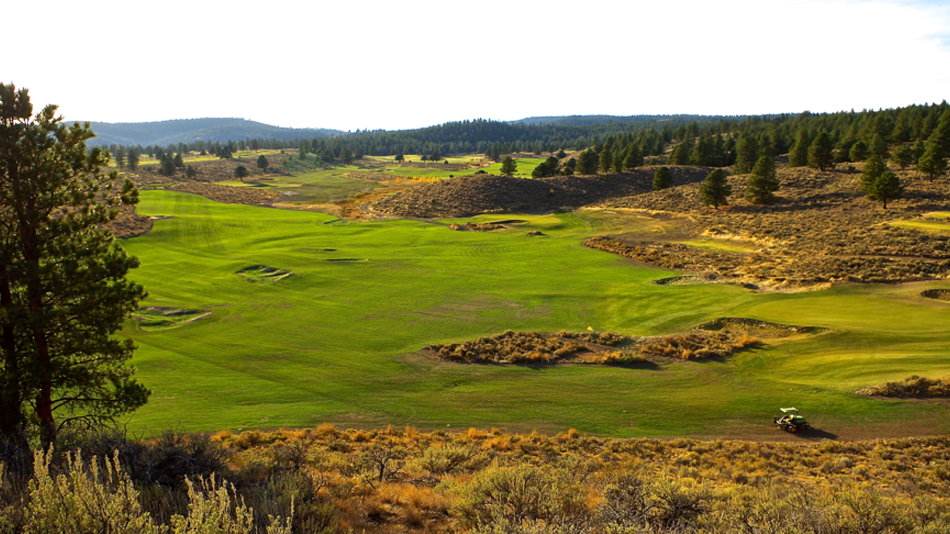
(714, 141)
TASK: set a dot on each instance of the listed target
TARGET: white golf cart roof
(789, 410)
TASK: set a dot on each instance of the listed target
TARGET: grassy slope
(336, 342)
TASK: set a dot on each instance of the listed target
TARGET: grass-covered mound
(912, 386)
(471, 195)
(478, 481)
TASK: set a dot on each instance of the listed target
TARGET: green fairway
(334, 335)
(939, 227)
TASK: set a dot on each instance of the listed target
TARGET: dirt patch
(759, 329)
(263, 274)
(937, 294)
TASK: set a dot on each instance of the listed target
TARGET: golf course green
(335, 336)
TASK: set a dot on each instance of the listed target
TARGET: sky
(392, 65)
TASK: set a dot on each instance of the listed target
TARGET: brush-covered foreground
(404, 481)
(341, 339)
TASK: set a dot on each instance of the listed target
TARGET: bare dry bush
(912, 386)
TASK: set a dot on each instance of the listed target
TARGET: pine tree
(903, 155)
(618, 161)
(747, 153)
(715, 190)
(858, 151)
(798, 156)
(508, 166)
(262, 163)
(133, 159)
(762, 182)
(886, 187)
(679, 155)
(63, 291)
(606, 159)
(632, 159)
(874, 167)
(878, 145)
(662, 178)
(821, 152)
(919, 148)
(933, 162)
(586, 162)
(241, 172)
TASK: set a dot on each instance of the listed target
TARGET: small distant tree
(820, 152)
(633, 157)
(618, 161)
(715, 190)
(933, 162)
(119, 157)
(133, 158)
(606, 159)
(262, 163)
(561, 154)
(436, 155)
(586, 162)
(919, 148)
(546, 168)
(346, 156)
(179, 161)
(903, 155)
(798, 156)
(878, 146)
(747, 153)
(762, 182)
(662, 178)
(399, 157)
(874, 167)
(886, 187)
(190, 171)
(858, 151)
(241, 172)
(166, 166)
(508, 166)
(680, 154)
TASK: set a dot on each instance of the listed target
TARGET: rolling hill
(191, 130)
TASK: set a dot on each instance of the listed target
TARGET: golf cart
(790, 421)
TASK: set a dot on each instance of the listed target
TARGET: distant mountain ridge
(220, 130)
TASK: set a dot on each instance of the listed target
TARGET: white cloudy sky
(385, 64)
